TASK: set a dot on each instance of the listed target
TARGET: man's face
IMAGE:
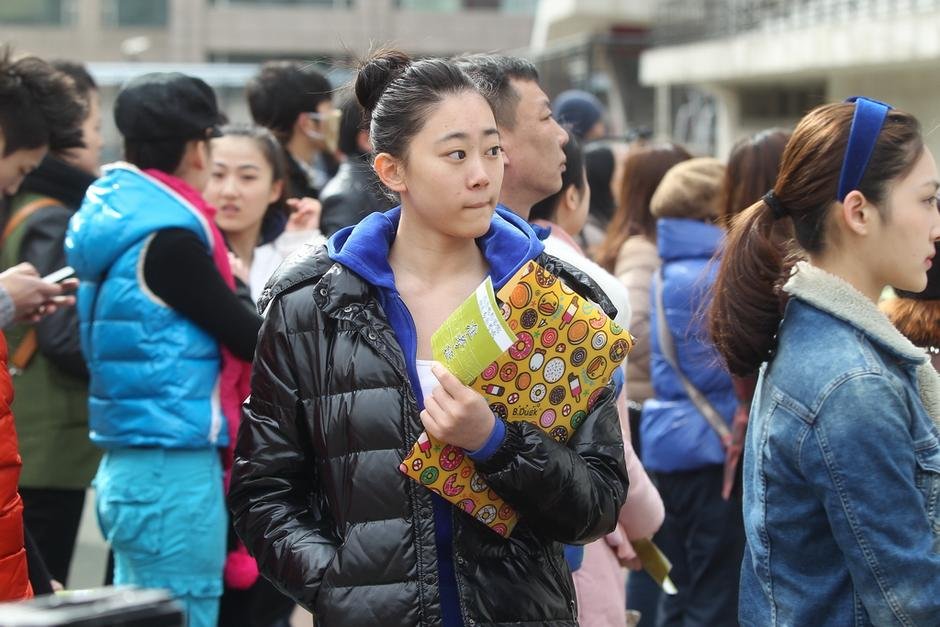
(322, 127)
(15, 166)
(534, 149)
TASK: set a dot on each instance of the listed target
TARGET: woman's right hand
(457, 414)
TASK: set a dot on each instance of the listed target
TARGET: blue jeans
(163, 513)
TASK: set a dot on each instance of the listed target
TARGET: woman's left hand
(456, 414)
(305, 214)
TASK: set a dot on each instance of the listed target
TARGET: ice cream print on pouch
(539, 353)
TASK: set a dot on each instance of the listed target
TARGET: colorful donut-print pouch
(565, 351)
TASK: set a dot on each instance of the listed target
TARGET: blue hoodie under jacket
(364, 248)
(676, 437)
(154, 373)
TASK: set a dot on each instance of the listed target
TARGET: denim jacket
(841, 469)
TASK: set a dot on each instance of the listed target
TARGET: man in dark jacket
(355, 191)
(295, 102)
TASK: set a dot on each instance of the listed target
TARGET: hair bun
(376, 74)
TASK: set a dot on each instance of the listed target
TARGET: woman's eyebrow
(462, 135)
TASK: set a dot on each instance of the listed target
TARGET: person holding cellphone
(39, 110)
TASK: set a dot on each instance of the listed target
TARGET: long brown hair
(643, 169)
(747, 304)
(752, 169)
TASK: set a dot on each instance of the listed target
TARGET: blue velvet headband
(866, 125)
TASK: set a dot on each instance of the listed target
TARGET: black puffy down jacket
(318, 498)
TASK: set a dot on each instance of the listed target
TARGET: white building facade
(723, 69)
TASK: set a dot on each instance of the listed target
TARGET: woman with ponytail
(343, 385)
(842, 455)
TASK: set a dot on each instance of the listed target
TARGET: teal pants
(163, 513)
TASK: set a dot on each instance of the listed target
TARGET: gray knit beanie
(689, 190)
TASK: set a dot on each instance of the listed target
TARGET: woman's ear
(196, 156)
(570, 200)
(390, 171)
(303, 124)
(857, 213)
(276, 188)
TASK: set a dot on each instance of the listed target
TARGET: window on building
(481, 4)
(507, 6)
(149, 13)
(775, 103)
(36, 12)
(335, 4)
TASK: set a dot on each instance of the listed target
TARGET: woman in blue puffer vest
(163, 361)
(702, 534)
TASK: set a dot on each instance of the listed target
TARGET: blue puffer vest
(675, 435)
(154, 373)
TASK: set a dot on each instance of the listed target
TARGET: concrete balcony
(561, 19)
(856, 45)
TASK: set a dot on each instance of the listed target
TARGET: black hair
(281, 91)
(350, 125)
(599, 161)
(398, 95)
(84, 83)
(164, 155)
(275, 217)
(573, 176)
(39, 106)
(494, 73)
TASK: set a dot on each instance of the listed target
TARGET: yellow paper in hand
(655, 564)
(473, 336)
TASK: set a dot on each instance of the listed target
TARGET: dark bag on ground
(100, 607)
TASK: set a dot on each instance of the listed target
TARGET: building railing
(686, 21)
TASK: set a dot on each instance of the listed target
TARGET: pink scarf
(241, 571)
(560, 233)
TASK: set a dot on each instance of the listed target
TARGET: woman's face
(906, 238)
(240, 185)
(88, 157)
(454, 168)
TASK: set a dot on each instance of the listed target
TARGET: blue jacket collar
(678, 238)
(364, 248)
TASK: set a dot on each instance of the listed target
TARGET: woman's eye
(458, 154)
(494, 151)
(932, 201)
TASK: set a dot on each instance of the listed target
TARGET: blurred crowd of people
(772, 432)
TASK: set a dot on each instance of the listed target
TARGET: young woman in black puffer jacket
(343, 386)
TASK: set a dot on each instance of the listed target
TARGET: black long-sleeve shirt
(180, 271)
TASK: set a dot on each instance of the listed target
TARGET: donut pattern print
(565, 351)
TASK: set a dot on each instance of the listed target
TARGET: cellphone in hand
(60, 275)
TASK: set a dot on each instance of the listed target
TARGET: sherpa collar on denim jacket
(837, 297)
